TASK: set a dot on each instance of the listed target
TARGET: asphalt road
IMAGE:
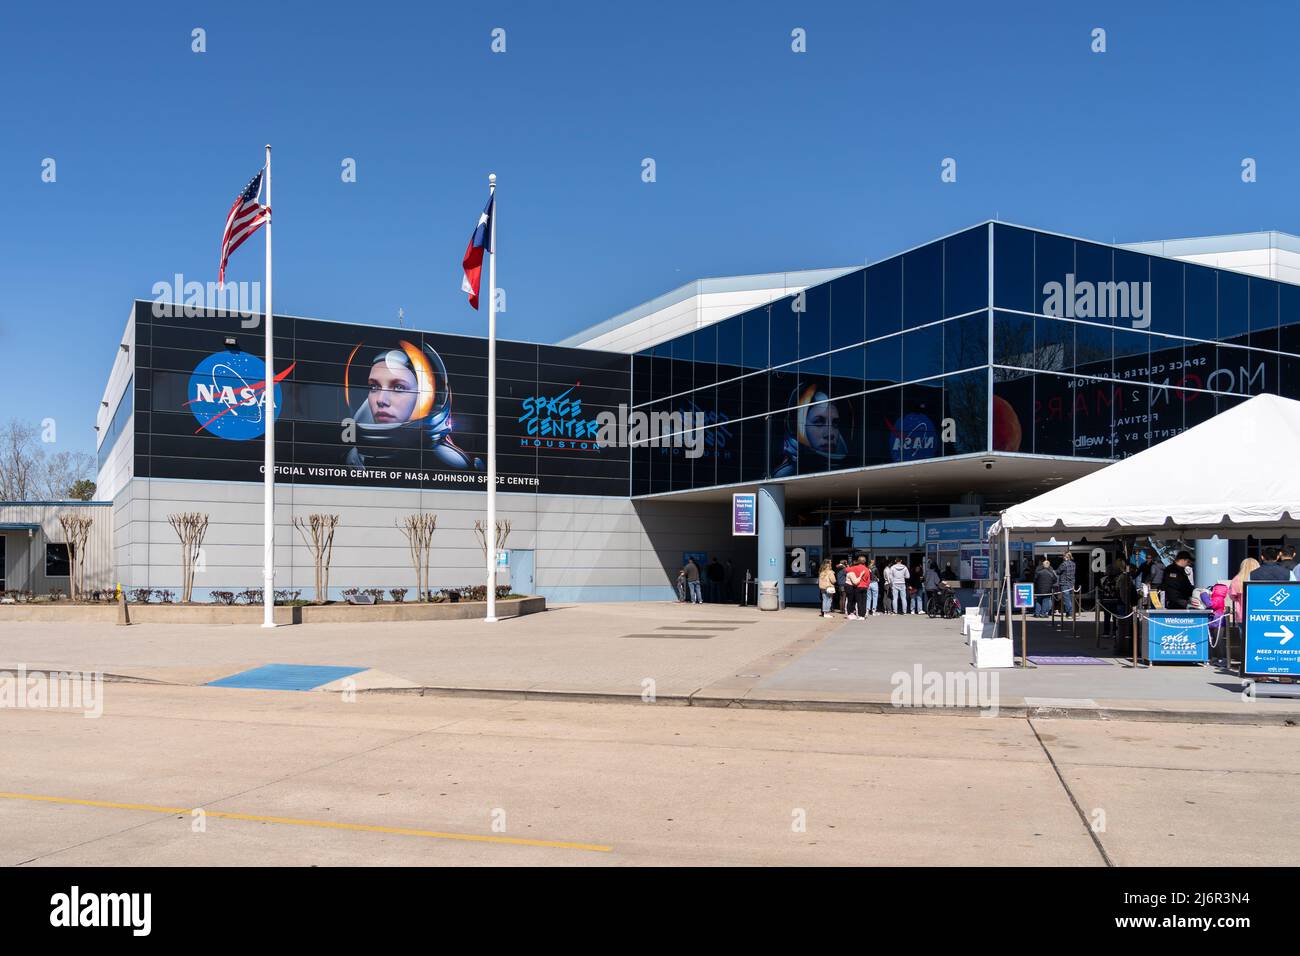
(306, 778)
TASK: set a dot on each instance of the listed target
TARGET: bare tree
(64, 474)
(76, 532)
(318, 534)
(418, 528)
(19, 454)
(190, 527)
(503, 532)
(29, 473)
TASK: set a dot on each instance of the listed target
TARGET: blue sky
(766, 159)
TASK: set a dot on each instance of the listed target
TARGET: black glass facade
(995, 339)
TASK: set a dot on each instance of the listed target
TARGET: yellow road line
(325, 824)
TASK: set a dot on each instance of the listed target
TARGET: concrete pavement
(705, 655)
(312, 779)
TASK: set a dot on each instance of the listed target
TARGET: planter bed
(337, 613)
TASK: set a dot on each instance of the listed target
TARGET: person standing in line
(1045, 582)
(896, 577)
(861, 587)
(1065, 575)
(1155, 576)
(932, 583)
(841, 587)
(916, 590)
(852, 575)
(826, 584)
(692, 572)
(1286, 558)
(716, 574)
(1235, 590)
(1118, 597)
(1269, 569)
(873, 588)
(1178, 582)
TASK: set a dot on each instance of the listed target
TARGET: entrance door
(3, 539)
(521, 571)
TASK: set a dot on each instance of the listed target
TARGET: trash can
(769, 599)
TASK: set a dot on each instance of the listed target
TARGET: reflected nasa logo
(226, 395)
(914, 437)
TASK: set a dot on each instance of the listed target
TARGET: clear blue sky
(766, 159)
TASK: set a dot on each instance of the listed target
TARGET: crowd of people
(862, 586)
(715, 583)
(1127, 585)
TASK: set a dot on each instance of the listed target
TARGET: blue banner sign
(1272, 628)
(1173, 636)
(1024, 594)
(961, 529)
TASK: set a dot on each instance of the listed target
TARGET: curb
(813, 705)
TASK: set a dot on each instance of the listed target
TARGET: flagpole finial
(492, 179)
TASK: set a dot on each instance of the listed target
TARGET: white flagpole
(268, 481)
(490, 536)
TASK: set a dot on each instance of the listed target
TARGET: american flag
(246, 216)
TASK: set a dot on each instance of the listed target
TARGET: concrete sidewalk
(700, 655)
(590, 648)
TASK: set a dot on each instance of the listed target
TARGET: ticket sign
(1272, 628)
(1173, 636)
(744, 511)
(1024, 596)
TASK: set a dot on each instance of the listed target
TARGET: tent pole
(1006, 565)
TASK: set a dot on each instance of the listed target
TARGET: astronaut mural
(815, 430)
(406, 409)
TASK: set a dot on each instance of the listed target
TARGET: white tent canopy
(1236, 474)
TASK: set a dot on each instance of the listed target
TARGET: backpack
(1219, 597)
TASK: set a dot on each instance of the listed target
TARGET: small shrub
(165, 597)
(223, 597)
(141, 595)
(377, 594)
(251, 595)
(398, 594)
(56, 594)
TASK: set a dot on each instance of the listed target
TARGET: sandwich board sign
(1271, 625)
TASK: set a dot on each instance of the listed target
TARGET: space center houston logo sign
(557, 421)
(228, 395)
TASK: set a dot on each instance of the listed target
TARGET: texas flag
(479, 243)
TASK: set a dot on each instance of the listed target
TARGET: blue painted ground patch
(285, 677)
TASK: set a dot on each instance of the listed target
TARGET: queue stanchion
(1096, 615)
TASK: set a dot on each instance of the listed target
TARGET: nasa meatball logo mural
(227, 395)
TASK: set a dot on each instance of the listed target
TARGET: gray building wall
(585, 549)
(24, 561)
